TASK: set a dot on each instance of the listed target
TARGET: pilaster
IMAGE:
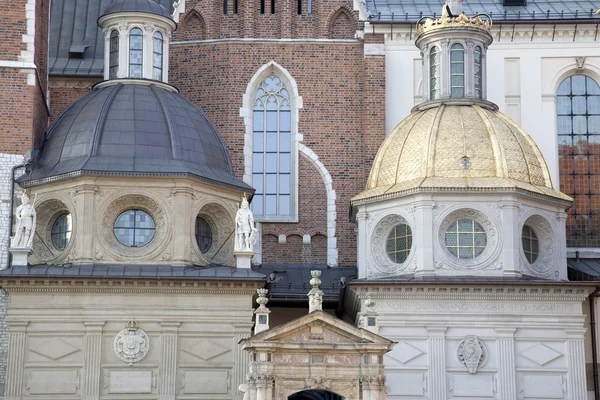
(285, 18)
(437, 362)
(84, 205)
(505, 344)
(183, 198)
(16, 353)
(362, 235)
(148, 52)
(92, 360)
(249, 11)
(576, 364)
(511, 242)
(123, 70)
(445, 69)
(373, 387)
(424, 237)
(167, 388)
(241, 360)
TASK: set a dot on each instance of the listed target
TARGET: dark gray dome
(145, 6)
(132, 129)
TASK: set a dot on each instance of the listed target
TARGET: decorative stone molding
(221, 221)
(132, 344)
(471, 353)
(486, 260)
(382, 265)
(113, 206)
(547, 262)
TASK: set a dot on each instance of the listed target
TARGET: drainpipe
(594, 344)
(10, 208)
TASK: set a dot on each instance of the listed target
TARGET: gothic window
(299, 7)
(262, 6)
(113, 64)
(157, 56)
(272, 6)
(225, 7)
(578, 118)
(477, 61)
(434, 70)
(272, 149)
(457, 71)
(235, 6)
(136, 39)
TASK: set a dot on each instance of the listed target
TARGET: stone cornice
(140, 286)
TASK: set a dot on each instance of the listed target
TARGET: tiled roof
(73, 30)
(412, 10)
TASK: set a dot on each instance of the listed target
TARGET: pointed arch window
(157, 56)
(272, 149)
(114, 55)
(578, 117)
(477, 71)
(457, 71)
(136, 40)
(434, 73)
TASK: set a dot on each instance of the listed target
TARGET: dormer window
(136, 52)
(114, 55)
(157, 56)
(457, 71)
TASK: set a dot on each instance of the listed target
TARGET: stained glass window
(272, 149)
(157, 56)
(578, 109)
(434, 74)
(465, 238)
(136, 39)
(399, 242)
(113, 64)
(134, 228)
(61, 231)
(457, 71)
(203, 235)
(477, 71)
(530, 244)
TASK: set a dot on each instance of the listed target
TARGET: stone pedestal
(19, 256)
(243, 258)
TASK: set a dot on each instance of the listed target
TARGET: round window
(530, 244)
(203, 234)
(466, 239)
(134, 228)
(399, 242)
(61, 231)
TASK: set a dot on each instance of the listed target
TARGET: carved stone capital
(258, 380)
(371, 382)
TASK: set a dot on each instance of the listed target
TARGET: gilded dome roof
(461, 145)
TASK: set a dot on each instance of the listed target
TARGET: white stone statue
(245, 232)
(26, 220)
(315, 296)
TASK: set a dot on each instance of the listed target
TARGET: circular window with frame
(539, 247)
(60, 233)
(392, 246)
(465, 239)
(530, 243)
(134, 228)
(399, 243)
(204, 235)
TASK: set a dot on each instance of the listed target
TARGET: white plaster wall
(520, 88)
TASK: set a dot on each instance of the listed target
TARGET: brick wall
(13, 26)
(64, 91)
(330, 80)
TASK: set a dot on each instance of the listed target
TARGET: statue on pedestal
(315, 296)
(245, 232)
(26, 220)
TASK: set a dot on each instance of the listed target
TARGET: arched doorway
(315, 395)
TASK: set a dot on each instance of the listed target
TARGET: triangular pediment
(319, 326)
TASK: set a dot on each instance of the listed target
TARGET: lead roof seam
(525, 158)
(174, 151)
(401, 151)
(432, 142)
(101, 120)
(497, 148)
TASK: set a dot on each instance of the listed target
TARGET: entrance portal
(315, 395)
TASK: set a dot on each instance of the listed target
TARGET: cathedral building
(277, 199)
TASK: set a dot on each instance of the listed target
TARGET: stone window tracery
(457, 71)
(434, 68)
(61, 231)
(157, 56)
(134, 228)
(114, 55)
(578, 114)
(272, 148)
(136, 43)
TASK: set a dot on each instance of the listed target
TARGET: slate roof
(133, 129)
(584, 269)
(145, 6)
(535, 10)
(73, 29)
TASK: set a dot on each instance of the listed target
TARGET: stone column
(424, 237)
(92, 360)
(182, 204)
(372, 387)
(445, 69)
(148, 54)
(576, 364)
(123, 70)
(512, 239)
(16, 357)
(505, 345)
(167, 388)
(84, 205)
(241, 360)
(437, 362)
(264, 386)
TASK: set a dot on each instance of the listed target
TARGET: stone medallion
(131, 344)
(471, 353)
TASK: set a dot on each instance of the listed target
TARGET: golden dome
(460, 145)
